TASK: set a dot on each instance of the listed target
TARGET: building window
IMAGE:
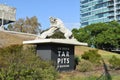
(100, 15)
(86, 14)
(84, 6)
(85, 23)
(100, 5)
(100, 1)
(85, 1)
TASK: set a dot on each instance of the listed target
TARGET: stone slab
(60, 41)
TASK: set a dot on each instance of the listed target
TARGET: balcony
(110, 4)
(118, 8)
(118, 13)
(111, 9)
(110, 0)
(118, 18)
(101, 2)
(118, 2)
(112, 19)
(111, 15)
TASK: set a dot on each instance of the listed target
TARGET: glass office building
(94, 11)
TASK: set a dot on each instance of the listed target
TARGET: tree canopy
(28, 25)
(100, 35)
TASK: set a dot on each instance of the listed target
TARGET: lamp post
(2, 27)
(2, 19)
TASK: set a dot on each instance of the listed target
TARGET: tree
(18, 25)
(32, 25)
(101, 35)
(28, 25)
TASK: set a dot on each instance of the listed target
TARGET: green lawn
(105, 54)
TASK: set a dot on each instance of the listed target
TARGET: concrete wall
(7, 13)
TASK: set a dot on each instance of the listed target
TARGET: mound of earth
(9, 38)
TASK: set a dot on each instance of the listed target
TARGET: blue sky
(67, 10)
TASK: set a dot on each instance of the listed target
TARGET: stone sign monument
(59, 51)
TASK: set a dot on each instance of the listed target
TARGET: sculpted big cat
(56, 24)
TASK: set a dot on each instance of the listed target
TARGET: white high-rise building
(94, 11)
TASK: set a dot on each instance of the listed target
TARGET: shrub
(84, 66)
(92, 56)
(115, 62)
(24, 64)
(77, 60)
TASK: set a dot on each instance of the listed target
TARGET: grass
(79, 50)
(75, 75)
(7, 39)
(92, 75)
